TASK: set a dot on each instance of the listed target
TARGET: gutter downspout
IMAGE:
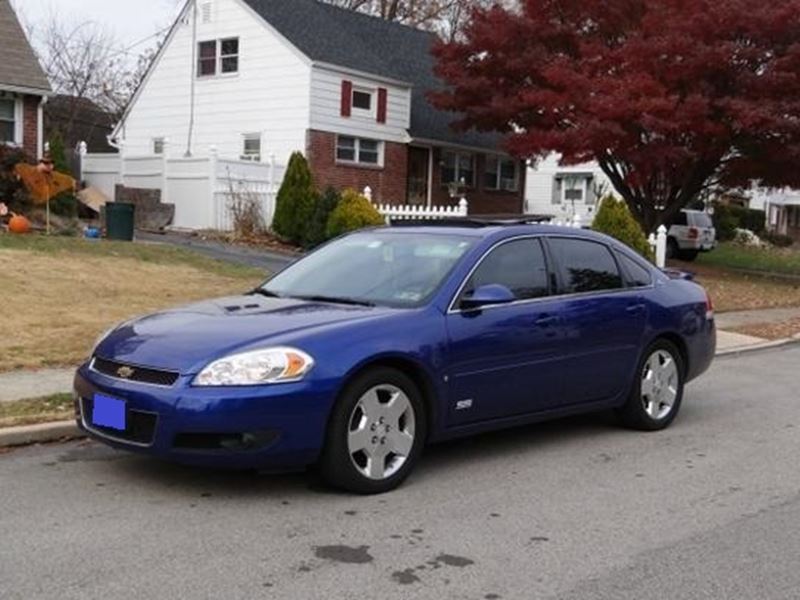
(192, 80)
(40, 127)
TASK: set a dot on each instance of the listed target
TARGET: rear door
(604, 320)
(503, 360)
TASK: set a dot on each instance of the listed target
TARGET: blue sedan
(361, 353)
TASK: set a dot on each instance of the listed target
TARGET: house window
(458, 167)
(218, 56)
(358, 150)
(8, 121)
(573, 189)
(158, 145)
(207, 59)
(501, 174)
(229, 55)
(251, 149)
(362, 100)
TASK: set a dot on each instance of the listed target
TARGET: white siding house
(326, 114)
(265, 97)
(565, 191)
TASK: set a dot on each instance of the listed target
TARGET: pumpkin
(19, 224)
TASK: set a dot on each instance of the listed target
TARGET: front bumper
(273, 426)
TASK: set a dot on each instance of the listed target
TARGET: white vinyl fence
(202, 189)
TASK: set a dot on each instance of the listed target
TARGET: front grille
(125, 372)
(141, 426)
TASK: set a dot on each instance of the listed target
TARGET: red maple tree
(670, 97)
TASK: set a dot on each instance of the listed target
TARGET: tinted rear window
(585, 266)
(638, 275)
(700, 219)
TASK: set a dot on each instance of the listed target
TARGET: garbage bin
(119, 221)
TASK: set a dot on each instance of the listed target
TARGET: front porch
(440, 175)
(784, 217)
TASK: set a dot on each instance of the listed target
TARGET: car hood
(186, 339)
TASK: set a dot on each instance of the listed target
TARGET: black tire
(672, 248)
(688, 255)
(336, 466)
(634, 413)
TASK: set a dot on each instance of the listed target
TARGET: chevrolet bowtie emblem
(125, 372)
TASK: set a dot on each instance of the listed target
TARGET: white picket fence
(201, 188)
(411, 212)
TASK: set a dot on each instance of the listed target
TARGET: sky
(130, 21)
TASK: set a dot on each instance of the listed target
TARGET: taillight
(709, 307)
(694, 233)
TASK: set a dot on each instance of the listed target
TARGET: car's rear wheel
(657, 392)
(376, 433)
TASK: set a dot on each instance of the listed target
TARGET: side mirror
(492, 294)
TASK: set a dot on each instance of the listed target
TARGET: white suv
(691, 232)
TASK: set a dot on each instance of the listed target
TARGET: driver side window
(519, 265)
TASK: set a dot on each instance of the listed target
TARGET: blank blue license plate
(108, 412)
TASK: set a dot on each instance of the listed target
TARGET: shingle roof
(18, 65)
(346, 38)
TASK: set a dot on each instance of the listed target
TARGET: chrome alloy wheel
(381, 432)
(660, 384)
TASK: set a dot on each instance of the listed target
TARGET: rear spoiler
(678, 274)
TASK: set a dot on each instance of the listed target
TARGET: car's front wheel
(376, 433)
(657, 391)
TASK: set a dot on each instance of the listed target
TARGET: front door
(505, 360)
(418, 161)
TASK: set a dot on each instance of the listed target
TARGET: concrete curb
(756, 347)
(38, 434)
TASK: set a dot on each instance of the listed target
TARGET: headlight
(271, 365)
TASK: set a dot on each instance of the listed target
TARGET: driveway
(573, 509)
(241, 255)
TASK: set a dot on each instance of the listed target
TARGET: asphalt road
(573, 509)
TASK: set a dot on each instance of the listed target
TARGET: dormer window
(362, 100)
(218, 57)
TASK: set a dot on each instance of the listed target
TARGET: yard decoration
(670, 97)
(19, 224)
(43, 183)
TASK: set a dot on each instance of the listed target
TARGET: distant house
(256, 78)
(79, 120)
(782, 208)
(24, 89)
(565, 191)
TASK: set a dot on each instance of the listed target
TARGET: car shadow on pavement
(456, 458)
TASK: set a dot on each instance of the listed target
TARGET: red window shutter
(347, 98)
(383, 97)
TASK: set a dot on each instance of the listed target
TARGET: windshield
(374, 268)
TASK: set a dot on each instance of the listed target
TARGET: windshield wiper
(335, 300)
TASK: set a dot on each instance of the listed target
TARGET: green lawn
(732, 256)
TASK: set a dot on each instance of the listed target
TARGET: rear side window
(701, 219)
(637, 274)
(585, 266)
(680, 219)
(519, 265)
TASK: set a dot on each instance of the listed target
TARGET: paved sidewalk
(21, 385)
(731, 320)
